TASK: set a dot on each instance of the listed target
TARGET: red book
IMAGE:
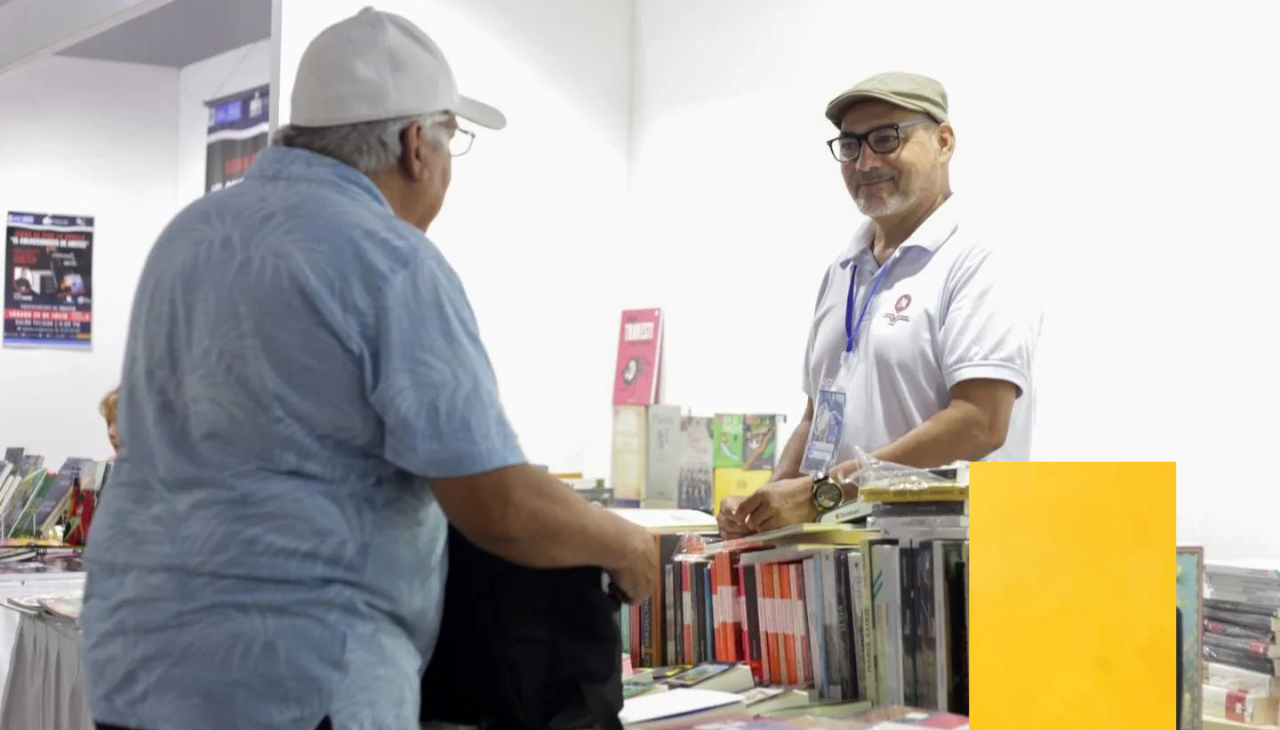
(639, 358)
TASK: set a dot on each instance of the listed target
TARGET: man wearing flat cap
(920, 350)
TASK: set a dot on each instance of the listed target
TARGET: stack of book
(1242, 660)
(841, 610)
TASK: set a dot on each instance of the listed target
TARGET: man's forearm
(953, 434)
(531, 518)
(793, 453)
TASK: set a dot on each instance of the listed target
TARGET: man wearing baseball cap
(920, 350)
(305, 401)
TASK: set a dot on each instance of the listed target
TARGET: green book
(727, 434)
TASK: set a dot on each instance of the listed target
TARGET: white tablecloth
(45, 657)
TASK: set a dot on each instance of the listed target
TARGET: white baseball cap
(376, 65)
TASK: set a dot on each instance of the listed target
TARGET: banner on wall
(48, 290)
(238, 130)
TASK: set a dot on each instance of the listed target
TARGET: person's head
(375, 92)
(22, 285)
(110, 409)
(895, 144)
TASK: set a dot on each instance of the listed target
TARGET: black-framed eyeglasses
(882, 141)
(461, 141)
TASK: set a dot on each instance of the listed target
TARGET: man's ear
(946, 142)
(413, 153)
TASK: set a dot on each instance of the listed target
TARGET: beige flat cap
(909, 91)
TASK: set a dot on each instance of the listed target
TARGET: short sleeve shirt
(269, 552)
(950, 308)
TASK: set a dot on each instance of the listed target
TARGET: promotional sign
(48, 296)
(238, 130)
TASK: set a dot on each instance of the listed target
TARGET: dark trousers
(324, 725)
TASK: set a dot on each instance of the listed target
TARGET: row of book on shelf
(1231, 664)
(874, 610)
(665, 458)
(40, 508)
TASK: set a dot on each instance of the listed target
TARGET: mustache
(873, 178)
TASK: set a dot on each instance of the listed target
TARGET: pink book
(639, 358)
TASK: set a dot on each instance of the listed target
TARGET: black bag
(524, 649)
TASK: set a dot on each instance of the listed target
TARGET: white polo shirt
(948, 309)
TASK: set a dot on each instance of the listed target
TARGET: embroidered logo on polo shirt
(899, 307)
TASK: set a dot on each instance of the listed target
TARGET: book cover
(696, 458)
(728, 440)
(1190, 594)
(630, 426)
(737, 482)
(760, 442)
(639, 358)
(662, 472)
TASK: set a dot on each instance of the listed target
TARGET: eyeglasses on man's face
(461, 141)
(882, 141)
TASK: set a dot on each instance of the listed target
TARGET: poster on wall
(238, 130)
(48, 290)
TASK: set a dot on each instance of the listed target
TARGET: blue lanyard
(851, 329)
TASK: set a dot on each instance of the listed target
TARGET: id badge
(824, 436)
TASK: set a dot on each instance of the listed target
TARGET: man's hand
(778, 504)
(731, 519)
(637, 576)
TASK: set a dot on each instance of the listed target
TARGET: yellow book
(731, 481)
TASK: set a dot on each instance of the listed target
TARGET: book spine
(804, 662)
(844, 628)
(858, 605)
(1247, 646)
(1237, 632)
(813, 615)
(785, 631)
(771, 593)
(871, 659)
(1239, 607)
(1239, 706)
(752, 621)
(1246, 620)
(1240, 659)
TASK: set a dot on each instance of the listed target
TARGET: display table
(41, 686)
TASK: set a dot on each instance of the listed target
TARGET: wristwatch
(827, 492)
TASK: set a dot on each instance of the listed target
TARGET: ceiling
(180, 33)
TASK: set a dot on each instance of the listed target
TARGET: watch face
(828, 495)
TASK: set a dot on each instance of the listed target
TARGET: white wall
(534, 220)
(1124, 146)
(94, 138)
(227, 73)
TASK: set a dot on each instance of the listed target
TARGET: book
(694, 482)
(679, 706)
(720, 677)
(760, 442)
(731, 482)
(727, 434)
(663, 443)
(636, 373)
(630, 455)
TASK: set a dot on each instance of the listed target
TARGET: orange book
(800, 619)
(788, 624)
(725, 626)
(771, 598)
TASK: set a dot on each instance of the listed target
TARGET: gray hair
(369, 147)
